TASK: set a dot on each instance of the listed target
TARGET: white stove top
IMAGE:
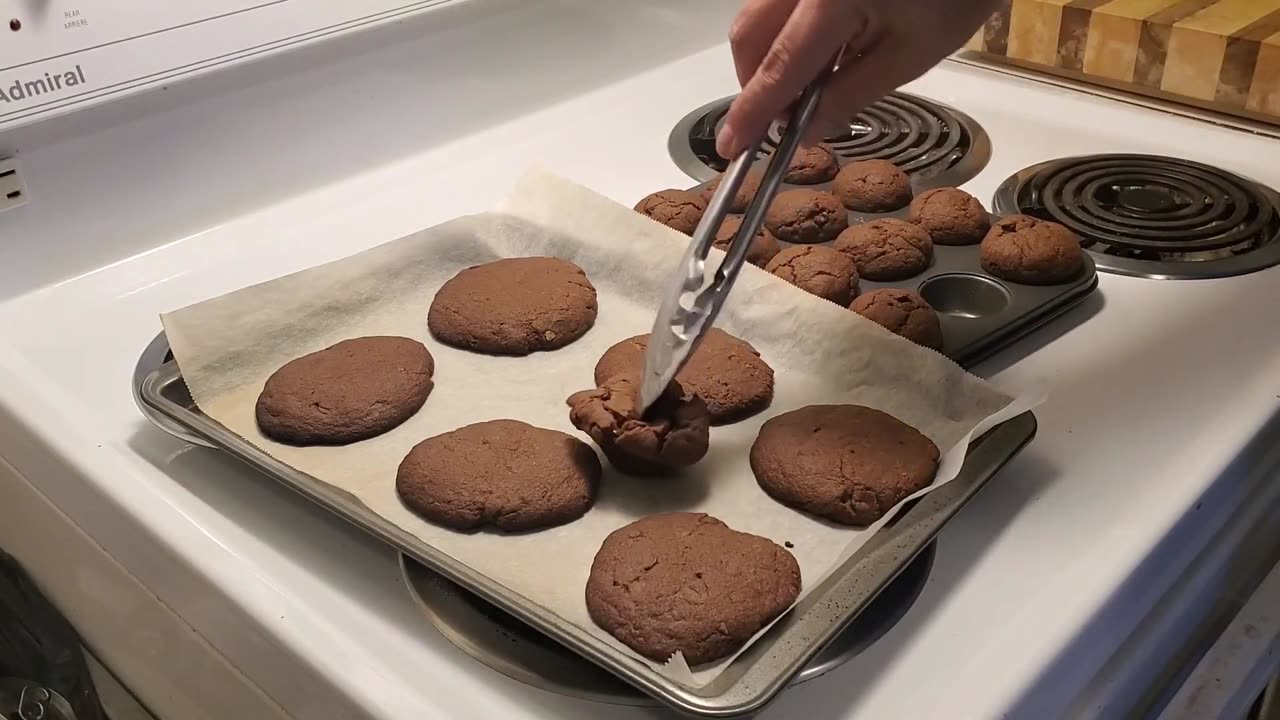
(1155, 387)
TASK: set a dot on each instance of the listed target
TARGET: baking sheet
(821, 353)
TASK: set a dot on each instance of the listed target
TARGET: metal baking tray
(980, 313)
(756, 676)
(522, 653)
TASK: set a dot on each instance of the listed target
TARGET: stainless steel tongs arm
(691, 305)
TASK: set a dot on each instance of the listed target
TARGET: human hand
(780, 46)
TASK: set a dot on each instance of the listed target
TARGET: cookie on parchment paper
(514, 306)
(687, 582)
(351, 391)
(503, 473)
(847, 463)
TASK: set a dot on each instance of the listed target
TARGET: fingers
(879, 70)
(836, 109)
(753, 31)
(808, 41)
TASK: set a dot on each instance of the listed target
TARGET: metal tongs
(690, 307)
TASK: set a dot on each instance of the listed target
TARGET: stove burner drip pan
(1152, 216)
(936, 145)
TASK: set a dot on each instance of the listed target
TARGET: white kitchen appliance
(204, 148)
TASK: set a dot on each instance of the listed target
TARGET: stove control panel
(61, 55)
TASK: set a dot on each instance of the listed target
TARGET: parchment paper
(821, 353)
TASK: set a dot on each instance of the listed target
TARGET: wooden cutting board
(1219, 54)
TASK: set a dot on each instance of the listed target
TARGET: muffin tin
(980, 313)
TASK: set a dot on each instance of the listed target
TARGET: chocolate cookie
(812, 165)
(847, 463)
(1028, 250)
(819, 270)
(887, 249)
(502, 473)
(806, 216)
(951, 216)
(763, 246)
(348, 392)
(727, 373)
(688, 583)
(677, 209)
(872, 186)
(741, 199)
(675, 433)
(904, 313)
(514, 306)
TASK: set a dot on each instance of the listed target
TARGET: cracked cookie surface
(351, 391)
(818, 270)
(806, 216)
(951, 216)
(846, 463)
(674, 433)
(677, 209)
(872, 186)
(503, 473)
(1031, 251)
(514, 306)
(887, 249)
(687, 582)
(904, 313)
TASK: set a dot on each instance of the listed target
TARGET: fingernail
(727, 143)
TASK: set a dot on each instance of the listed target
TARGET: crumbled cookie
(887, 249)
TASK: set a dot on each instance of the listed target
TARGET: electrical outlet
(12, 190)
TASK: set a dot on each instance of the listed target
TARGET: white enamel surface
(106, 53)
(1155, 386)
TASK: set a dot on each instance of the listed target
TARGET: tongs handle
(690, 309)
(736, 174)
